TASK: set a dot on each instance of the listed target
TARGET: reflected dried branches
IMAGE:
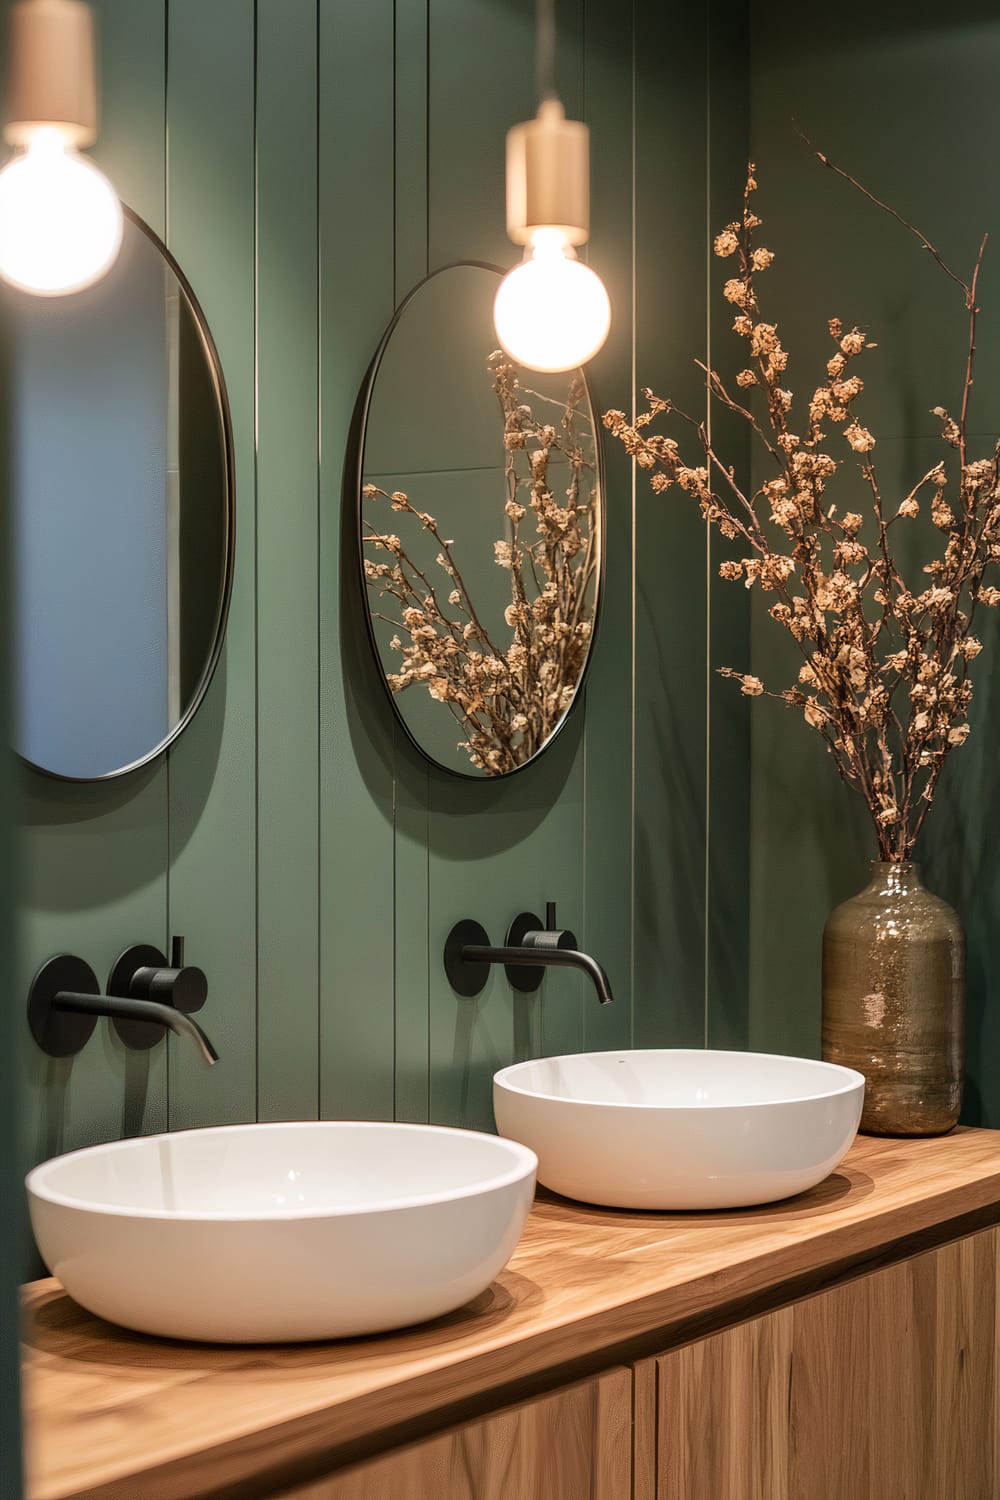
(508, 684)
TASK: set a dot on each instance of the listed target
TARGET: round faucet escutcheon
(143, 973)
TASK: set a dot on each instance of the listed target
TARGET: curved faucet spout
(549, 958)
(126, 1008)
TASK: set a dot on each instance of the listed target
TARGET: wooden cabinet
(884, 1388)
(574, 1444)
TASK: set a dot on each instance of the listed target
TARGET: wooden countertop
(114, 1414)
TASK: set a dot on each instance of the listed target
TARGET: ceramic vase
(894, 1001)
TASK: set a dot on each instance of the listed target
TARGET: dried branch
(967, 288)
(885, 663)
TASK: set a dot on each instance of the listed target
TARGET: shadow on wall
(810, 849)
(670, 912)
(959, 851)
(44, 802)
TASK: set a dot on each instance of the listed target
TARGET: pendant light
(60, 218)
(552, 311)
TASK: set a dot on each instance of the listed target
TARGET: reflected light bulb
(60, 219)
(551, 312)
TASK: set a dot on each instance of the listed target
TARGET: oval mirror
(481, 531)
(121, 485)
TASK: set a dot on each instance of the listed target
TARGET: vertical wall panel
(728, 807)
(410, 143)
(670, 544)
(287, 531)
(471, 108)
(210, 118)
(356, 790)
(609, 746)
(412, 784)
(93, 871)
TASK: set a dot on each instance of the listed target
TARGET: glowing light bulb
(551, 312)
(60, 219)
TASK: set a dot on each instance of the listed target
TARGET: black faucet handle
(186, 985)
(526, 931)
(185, 988)
(142, 973)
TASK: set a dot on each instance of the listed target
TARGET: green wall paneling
(959, 855)
(213, 769)
(670, 542)
(411, 953)
(609, 43)
(727, 930)
(470, 110)
(93, 868)
(839, 255)
(356, 237)
(410, 55)
(287, 561)
(411, 1100)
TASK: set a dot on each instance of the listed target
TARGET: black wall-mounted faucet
(529, 950)
(145, 995)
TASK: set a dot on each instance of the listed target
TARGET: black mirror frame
(354, 472)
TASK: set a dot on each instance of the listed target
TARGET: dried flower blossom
(859, 437)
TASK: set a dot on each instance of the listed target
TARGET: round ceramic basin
(274, 1233)
(668, 1129)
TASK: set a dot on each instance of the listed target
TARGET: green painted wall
(307, 163)
(905, 99)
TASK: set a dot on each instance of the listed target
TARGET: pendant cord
(545, 49)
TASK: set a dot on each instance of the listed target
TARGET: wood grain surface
(114, 1414)
(572, 1443)
(885, 1386)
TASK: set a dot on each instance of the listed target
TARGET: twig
(887, 208)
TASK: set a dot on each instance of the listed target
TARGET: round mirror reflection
(120, 478)
(481, 531)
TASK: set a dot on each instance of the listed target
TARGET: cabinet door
(574, 1444)
(884, 1388)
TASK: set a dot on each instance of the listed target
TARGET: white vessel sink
(678, 1129)
(273, 1233)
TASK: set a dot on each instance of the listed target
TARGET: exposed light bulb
(60, 219)
(551, 312)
